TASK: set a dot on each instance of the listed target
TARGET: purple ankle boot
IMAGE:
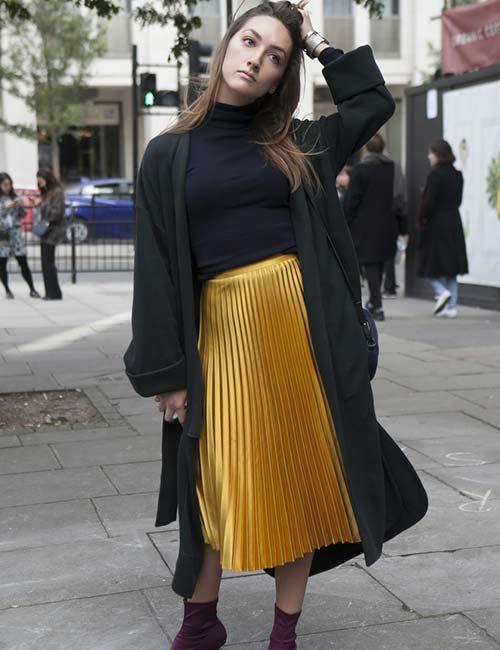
(201, 629)
(283, 634)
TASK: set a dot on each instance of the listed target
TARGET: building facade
(404, 40)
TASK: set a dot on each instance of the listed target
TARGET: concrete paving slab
(461, 450)
(487, 619)
(440, 583)
(434, 425)
(485, 397)
(51, 486)
(135, 406)
(437, 401)
(459, 384)
(119, 390)
(453, 521)
(100, 452)
(418, 460)
(8, 370)
(49, 523)
(133, 478)
(75, 435)
(26, 459)
(480, 482)
(444, 633)
(490, 416)
(126, 514)
(9, 441)
(80, 569)
(117, 622)
(147, 424)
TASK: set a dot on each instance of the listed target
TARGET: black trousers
(52, 288)
(390, 275)
(25, 271)
(373, 274)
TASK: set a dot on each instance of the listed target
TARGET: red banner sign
(470, 37)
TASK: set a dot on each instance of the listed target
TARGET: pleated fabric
(270, 481)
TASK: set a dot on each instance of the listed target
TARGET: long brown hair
(52, 183)
(4, 176)
(274, 112)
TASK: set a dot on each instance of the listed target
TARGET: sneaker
(442, 301)
(448, 313)
(370, 307)
(378, 314)
(390, 294)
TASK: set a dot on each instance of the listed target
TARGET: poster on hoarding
(472, 126)
(470, 37)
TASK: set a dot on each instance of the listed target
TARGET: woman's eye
(276, 57)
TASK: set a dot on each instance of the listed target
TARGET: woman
(52, 210)
(11, 237)
(244, 329)
(443, 254)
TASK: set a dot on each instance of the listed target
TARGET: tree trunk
(54, 151)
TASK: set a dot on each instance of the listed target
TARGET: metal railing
(98, 239)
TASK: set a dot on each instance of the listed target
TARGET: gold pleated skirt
(270, 480)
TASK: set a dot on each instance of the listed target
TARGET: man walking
(374, 205)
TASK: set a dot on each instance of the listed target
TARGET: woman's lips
(246, 75)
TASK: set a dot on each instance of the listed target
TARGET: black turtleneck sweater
(237, 201)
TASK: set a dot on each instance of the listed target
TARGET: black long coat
(442, 250)
(369, 209)
(385, 491)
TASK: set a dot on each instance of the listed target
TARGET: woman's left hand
(306, 26)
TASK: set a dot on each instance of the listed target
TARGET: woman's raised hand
(173, 402)
(306, 26)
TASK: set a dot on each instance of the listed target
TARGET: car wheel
(81, 228)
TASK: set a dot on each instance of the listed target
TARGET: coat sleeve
(364, 104)
(53, 209)
(154, 360)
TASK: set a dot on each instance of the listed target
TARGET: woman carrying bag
(245, 330)
(11, 238)
(51, 229)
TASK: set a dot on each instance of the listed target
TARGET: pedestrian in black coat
(442, 249)
(372, 217)
(169, 314)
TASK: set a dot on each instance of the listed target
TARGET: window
(339, 23)
(338, 8)
(209, 33)
(385, 32)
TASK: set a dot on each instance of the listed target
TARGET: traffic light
(198, 50)
(148, 89)
(197, 66)
(167, 98)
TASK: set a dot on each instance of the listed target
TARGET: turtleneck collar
(228, 116)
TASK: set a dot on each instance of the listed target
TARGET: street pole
(229, 11)
(135, 119)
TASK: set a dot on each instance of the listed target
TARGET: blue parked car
(100, 209)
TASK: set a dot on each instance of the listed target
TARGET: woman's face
(432, 158)
(41, 182)
(5, 186)
(262, 49)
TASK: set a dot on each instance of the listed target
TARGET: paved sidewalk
(83, 566)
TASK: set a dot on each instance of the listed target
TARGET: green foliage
(151, 12)
(45, 61)
(493, 181)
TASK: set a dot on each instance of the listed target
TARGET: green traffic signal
(149, 98)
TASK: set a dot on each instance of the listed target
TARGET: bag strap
(365, 326)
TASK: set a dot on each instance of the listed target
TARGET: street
(83, 566)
